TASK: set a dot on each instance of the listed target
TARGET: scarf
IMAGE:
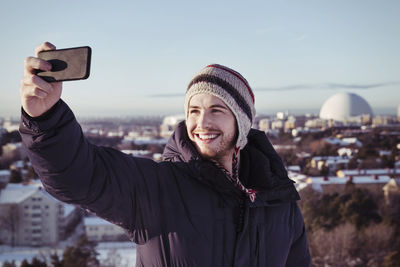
(234, 177)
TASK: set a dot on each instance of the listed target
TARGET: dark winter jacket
(182, 211)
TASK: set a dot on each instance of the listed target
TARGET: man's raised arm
(111, 184)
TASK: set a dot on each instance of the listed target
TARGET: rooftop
(88, 221)
(16, 193)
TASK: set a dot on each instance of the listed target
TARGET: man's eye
(193, 111)
(215, 111)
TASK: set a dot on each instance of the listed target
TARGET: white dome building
(345, 107)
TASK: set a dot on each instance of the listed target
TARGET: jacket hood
(179, 147)
(261, 168)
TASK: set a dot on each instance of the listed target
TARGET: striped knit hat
(232, 88)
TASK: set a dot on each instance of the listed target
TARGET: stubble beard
(223, 149)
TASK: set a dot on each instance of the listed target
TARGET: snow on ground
(120, 253)
(18, 254)
(117, 253)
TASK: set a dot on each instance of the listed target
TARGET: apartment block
(29, 216)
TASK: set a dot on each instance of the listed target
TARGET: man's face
(211, 126)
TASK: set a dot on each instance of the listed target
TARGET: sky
(295, 54)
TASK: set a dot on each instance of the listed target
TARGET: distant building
(291, 124)
(332, 162)
(20, 165)
(118, 133)
(346, 108)
(273, 132)
(98, 229)
(346, 152)
(282, 122)
(169, 123)
(304, 130)
(130, 137)
(351, 141)
(281, 115)
(10, 126)
(384, 153)
(392, 189)
(149, 131)
(316, 123)
(333, 184)
(382, 120)
(294, 168)
(277, 124)
(264, 125)
(5, 176)
(14, 149)
(366, 119)
(29, 216)
(363, 172)
(150, 141)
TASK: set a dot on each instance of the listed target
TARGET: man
(221, 197)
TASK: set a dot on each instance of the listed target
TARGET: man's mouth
(206, 137)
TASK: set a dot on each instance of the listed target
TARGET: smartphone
(68, 64)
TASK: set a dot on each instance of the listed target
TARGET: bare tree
(332, 247)
(347, 246)
(113, 259)
(9, 220)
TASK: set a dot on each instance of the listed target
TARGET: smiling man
(212, 128)
(221, 197)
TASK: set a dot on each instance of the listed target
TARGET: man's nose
(204, 120)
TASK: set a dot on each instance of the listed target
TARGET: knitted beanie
(233, 89)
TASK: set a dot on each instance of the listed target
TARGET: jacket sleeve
(299, 255)
(117, 187)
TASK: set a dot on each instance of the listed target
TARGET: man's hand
(37, 95)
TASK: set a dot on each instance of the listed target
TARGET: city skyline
(294, 55)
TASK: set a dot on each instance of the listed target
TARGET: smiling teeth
(207, 136)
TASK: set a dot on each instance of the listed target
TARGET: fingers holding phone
(41, 86)
(67, 64)
(38, 95)
(46, 46)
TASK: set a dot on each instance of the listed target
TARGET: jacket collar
(179, 147)
(261, 168)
